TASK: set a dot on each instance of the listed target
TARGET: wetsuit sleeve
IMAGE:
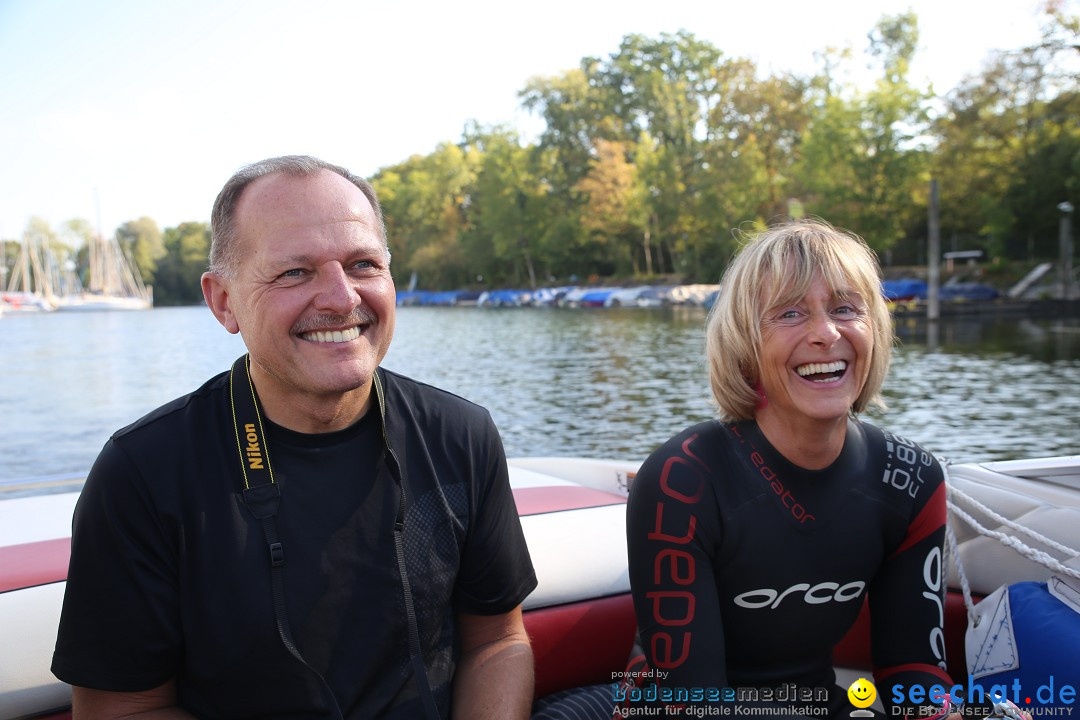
(907, 599)
(672, 531)
(120, 624)
(496, 571)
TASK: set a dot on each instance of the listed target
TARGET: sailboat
(31, 287)
(114, 283)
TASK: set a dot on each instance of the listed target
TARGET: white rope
(1017, 544)
(1012, 524)
(1010, 541)
(954, 550)
(965, 586)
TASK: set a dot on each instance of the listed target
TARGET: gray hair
(223, 230)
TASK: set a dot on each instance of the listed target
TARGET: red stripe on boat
(556, 498)
(40, 563)
(36, 563)
(580, 643)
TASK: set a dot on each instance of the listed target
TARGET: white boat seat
(1048, 505)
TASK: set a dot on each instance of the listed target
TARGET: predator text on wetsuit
(747, 570)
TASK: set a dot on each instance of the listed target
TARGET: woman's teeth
(833, 371)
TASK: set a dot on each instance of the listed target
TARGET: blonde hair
(777, 267)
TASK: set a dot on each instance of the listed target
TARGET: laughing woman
(753, 539)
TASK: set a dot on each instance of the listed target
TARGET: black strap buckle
(277, 555)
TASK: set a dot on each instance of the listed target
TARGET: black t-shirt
(169, 574)
(746, 569)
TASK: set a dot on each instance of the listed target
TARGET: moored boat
(88, 302)
(115, 283)
(19, 302)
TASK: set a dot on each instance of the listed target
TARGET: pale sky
(116, 109)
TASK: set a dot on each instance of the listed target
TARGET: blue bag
(1026, 642)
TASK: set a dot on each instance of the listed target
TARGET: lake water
(598, 383)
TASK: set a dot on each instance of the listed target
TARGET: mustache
(359, 316)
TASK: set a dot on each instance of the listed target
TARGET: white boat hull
(97, 303)
(580, 616)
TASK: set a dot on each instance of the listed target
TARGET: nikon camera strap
(262, 496)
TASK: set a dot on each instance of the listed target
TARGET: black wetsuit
(746, 569)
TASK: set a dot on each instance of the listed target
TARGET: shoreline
(999, 307)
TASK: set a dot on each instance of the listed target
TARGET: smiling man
(307, 535)
(313, 299)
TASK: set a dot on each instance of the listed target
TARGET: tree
(423, 201)
(509, 207)
(610, 213)
(575, 115)
(757, 130)
(1008, 148)
(179, 272)
(142, 240)
(78, 233)
(864, 157)
(40, 261)
(666, 88)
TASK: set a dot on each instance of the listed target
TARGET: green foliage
(424, 201)
(653, 159)
(1009, 146)
(508, 209)
(143, 242)
(610, 213)
(863, 158)
(187, 255)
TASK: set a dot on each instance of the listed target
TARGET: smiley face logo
(862, 693)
